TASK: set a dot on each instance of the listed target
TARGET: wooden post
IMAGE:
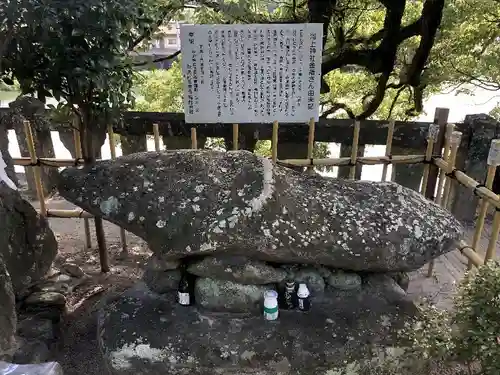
(441, 119)
(156, 133)
(36, 168)
(432, 137)
(354, 150)
(194, 140)
(442, 174)
(112, 148)
(452, 145)
(388, 148)
(493, 162)
(274, 142)
(78, 155)
(310, 145)
(89, 157)
(235, 137)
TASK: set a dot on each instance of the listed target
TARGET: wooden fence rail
(437, 136)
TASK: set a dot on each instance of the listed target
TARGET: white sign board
(251, 73)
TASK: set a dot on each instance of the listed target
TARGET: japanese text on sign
(251, 73)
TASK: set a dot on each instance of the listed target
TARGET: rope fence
(444, 158)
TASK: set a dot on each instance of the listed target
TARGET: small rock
(32, 352)
(223, 295)
(324, 272)
(50, 287)
(46, 299)
(162, 281)
(291, 270)
(312, 278)
(158, 263)
(52, 313)
(36, 328)
(344, 280)
(237, 269)
(61, 278)
(402, 279)
(72, 269)
(387, 288)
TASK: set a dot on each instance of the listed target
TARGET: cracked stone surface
(31, 246)
(144, 333)
(192, 202)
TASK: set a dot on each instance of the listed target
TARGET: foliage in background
(495, 112)
(77, 51)
(159, 90)
(468, 334)
(465, 53)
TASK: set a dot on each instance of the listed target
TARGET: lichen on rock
(216, 202)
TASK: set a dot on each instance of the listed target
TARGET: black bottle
(290, 297)
(184, 291)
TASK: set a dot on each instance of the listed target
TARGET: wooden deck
(449, 270)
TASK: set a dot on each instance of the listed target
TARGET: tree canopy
(381, 57)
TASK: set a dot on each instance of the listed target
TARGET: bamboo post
(432, 137)
(235, 137)
(194, 139)
(493, 162)
(452, 144)
(310, 145)
(442, 174)
(388, 148)
(78, 155)
(156, 132)
(354, 150)
(36, 168)
(112, 148)
(274, 142)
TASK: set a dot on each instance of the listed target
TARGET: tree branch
(160, 59)
(148, 32)
(336, 107)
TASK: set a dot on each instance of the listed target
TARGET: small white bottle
(304, 301)
(271, 305)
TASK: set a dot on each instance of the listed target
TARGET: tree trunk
(88, 143)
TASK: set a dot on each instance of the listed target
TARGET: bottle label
(184, 299)
(271, 314)
(301, 304)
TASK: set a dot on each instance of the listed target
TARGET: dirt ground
(78, 352)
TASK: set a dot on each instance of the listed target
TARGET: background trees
(381, 57)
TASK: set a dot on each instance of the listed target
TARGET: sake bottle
(303, 297)
(184, 294)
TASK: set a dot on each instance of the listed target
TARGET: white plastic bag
(49, 368)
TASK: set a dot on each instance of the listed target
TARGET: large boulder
(8, 317)
(143, 333)
(30, 245)
(191, 203)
